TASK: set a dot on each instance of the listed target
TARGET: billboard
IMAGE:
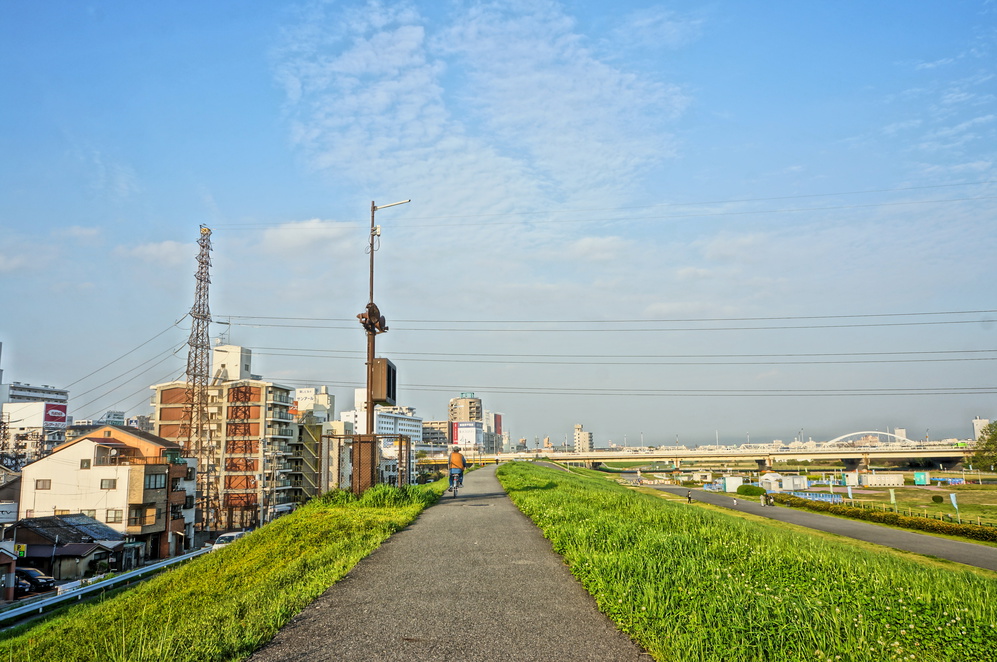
(498, 424)
(54, 416)
(470, 434)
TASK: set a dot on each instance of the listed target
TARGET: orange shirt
(457, 461)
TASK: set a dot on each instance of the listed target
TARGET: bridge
(854, 455)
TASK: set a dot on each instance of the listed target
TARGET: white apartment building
(582, 440)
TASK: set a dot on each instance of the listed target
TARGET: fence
(818, 496)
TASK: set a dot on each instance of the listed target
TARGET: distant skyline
(671, 219)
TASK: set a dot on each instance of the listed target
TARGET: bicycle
(456, 481)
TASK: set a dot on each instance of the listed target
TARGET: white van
(228, 539)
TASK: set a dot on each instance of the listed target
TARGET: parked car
(39, 580)
(227, 539)
(21, 588)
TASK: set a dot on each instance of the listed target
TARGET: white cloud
(694, 273)
(598, 249)
(897, 127)
(10, 263)
(164, 253)
(372, 96)
(114, 180)
(81, 233)
(314, 235)
(657, 27)
(726, 247)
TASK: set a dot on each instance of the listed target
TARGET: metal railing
(77, 591)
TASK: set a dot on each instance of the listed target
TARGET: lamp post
(373, 323)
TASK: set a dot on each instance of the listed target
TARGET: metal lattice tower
(193, 433)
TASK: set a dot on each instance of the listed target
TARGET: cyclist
(456, 464)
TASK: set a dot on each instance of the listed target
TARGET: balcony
(275, 431)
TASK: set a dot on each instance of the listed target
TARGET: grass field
(690, 584)
(223, 605)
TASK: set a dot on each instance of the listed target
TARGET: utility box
(922, 478)
(384, 386)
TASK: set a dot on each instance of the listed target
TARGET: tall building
(246, 461)
(310, 453)
(466, 408)
(582, 440)
(978, 425)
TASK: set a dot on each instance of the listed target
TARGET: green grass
(689, 584)
(224, 605)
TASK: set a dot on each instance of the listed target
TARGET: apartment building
(247, 451)
(582, 440)
(135, 482)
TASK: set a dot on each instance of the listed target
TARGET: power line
(635, 321)
(128, 352)
(783, 327)
(628, 360)
(606, 392)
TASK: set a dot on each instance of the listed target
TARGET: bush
(972, 531)
(936, 498)
(751, 490)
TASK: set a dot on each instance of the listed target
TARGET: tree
(985, 451)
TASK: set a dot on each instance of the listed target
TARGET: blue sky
(616, 210)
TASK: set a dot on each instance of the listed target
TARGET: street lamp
(373, 323)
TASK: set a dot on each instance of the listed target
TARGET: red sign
(54, 416)
(498, 424)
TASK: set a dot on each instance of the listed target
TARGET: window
(155, 481)
(189, 501)
(176, 511)
(61, 512)
(85, 463)
(89, 513)
(109, 484)
(43, 484)
(114, 515)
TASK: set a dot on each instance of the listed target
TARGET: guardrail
(75, 591)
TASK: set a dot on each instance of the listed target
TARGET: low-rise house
(73, 546)
(134, 482)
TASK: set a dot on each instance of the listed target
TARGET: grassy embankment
(223, 605)
(690, 584)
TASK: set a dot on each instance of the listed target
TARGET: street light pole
(373, 323)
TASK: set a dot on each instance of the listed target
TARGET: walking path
(982, 556)
(472, 579)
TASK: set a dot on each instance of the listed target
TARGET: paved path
(982, 556)
(471, 580)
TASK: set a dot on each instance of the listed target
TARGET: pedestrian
(771, 500)
(688, 496)
(735, 502)
(762, 497)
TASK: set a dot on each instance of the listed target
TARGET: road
(981, 556)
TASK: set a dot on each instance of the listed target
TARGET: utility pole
(365, 446)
